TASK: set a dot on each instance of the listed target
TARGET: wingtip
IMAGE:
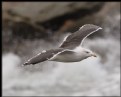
(100, 28)
(26, 63)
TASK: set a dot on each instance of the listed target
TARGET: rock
(28, 22)
(41, 19)
(43, 11)
(108, 17)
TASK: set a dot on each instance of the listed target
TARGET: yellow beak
(94, 55)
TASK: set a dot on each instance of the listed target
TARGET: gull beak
(94, 55)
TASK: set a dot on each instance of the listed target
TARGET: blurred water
(88, 77)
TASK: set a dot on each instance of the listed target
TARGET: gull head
(84, 53)
(89, 53)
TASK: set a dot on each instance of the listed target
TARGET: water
(91, 76)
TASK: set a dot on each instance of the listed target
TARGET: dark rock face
(26, 31)
(33, 21)
(37, 20)
(43, 11)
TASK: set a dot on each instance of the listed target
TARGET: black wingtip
(26, 63)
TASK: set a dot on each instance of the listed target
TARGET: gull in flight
(70, 50)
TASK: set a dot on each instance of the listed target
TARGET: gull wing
(43, 56)
(77, 38)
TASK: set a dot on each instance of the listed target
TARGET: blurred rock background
(30, 27)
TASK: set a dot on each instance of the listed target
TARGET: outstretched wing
(45, 55)
(75, 39)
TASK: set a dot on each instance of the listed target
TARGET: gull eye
(87, 52)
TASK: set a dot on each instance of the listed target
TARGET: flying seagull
(70, 50)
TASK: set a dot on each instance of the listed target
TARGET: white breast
(78, 49)
(69, 57)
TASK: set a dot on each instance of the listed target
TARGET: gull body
(73, 56)
(70, 50)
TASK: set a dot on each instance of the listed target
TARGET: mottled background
(30, 27)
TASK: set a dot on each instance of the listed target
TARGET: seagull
(70, 50)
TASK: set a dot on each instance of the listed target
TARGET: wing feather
(45, 55)
(75, 39)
